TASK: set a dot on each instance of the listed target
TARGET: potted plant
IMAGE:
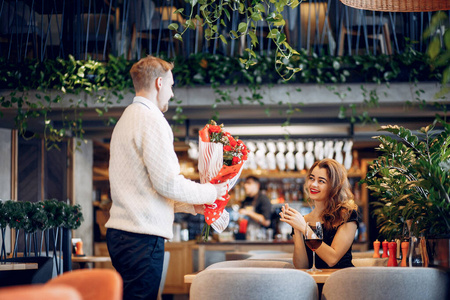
(411, 181)
(34, 219)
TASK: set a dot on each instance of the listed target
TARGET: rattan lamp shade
(399, 5)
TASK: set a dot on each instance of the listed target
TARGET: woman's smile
(314, 191)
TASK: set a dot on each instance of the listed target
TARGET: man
(256, 205)
(146, 185)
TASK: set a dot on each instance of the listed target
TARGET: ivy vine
(212, 16)
(54, 82)
(57, 84)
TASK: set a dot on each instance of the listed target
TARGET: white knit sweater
(144, 173)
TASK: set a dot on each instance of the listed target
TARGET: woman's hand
(293, 218)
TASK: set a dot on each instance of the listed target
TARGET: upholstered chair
(374, 283)
(251, 264)
(253, 284)
(92, 284)
(39, 292)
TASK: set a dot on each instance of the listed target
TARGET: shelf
(275, 174)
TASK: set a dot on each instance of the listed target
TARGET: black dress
(328, 236)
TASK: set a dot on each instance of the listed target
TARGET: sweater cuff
(184, 208)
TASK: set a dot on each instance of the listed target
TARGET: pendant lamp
(399, 5)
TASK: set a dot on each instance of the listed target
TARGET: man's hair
(147, 70)
(254, 178)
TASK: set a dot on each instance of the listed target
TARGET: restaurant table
(319, 277)
(283, 246)
(85, 260)
(12, 266)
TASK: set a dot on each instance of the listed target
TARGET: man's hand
(199, 209)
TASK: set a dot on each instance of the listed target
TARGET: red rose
(214, 128)
(233, 142)
(244, 157)
(227, 148)
(235, 160)
(244, 151)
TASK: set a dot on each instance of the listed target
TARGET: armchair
(91, 284)
(253, 283)
(373, 283)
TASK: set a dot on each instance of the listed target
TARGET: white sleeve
(163, 167)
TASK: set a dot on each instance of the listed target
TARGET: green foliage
(33, 216)
(40, 89)
(59, 81)
(439, 47)
(411, 180)
(212, 15)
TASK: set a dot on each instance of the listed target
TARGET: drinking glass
(313, 239)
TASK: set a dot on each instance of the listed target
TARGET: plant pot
(438, 251)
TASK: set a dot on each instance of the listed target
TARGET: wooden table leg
(201, 257)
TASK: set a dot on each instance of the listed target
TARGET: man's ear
(158, 83)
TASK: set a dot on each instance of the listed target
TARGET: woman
(328, 189)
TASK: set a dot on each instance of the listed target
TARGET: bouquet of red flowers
(221, 158)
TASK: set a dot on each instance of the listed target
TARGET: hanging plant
(108, 82)
(68, 78)
(214, 15)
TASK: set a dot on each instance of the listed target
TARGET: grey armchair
(253, 283)
(286, 257)
(374, 283)
(252, 264)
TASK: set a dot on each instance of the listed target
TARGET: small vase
(415, 253)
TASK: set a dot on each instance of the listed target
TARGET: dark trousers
(139, 259)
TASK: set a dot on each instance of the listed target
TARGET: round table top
(89, 258)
